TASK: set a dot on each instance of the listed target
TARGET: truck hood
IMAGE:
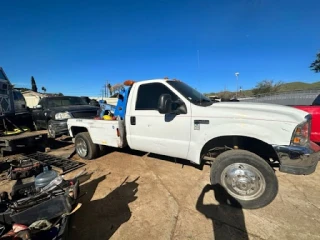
(257, 111)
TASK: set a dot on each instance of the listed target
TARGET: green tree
(44, 89)
(266, 86)
(315, 66)
(33, 85)
(225, 95)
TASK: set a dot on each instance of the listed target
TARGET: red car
(314, 110)
(308, 100)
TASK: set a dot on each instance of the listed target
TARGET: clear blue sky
(75, 46)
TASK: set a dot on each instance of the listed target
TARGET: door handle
(133, 120)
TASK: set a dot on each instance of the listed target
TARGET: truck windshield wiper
(202, 102)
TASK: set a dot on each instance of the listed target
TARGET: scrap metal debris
(66, 165)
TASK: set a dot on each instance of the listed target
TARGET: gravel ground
(134, 195)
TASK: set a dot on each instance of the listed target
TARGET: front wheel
(246, 177)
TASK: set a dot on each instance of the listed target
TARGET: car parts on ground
(39, 213)
(66, 165)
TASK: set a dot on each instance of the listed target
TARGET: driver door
(150, 131)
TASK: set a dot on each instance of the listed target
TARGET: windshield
(190, 93)
(65, 101)
(86, 99)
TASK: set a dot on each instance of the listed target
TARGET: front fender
(272, 133)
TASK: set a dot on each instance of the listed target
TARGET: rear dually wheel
(84, 146)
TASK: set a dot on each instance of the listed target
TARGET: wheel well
(216, 146)
(76, 130)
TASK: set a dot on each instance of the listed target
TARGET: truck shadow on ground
(100, 219)
(182, 162)
(227, 221)
(58, 143)
(137, 153)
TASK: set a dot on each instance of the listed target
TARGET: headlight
(301, 134)
(62, 116)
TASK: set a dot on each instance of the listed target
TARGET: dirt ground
(133, 195)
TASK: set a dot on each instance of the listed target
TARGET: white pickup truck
(244, 141)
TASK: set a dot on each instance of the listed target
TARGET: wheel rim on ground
(243, 181)
(81, 148)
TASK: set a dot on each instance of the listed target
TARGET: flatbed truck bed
(26, 139)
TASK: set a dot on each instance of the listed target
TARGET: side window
(42, 102)
(15, 96)
(3, 88)
(20, 96)
(148, 95)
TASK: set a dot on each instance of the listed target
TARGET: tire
(84, 146)
(51, 132)
(231, 170)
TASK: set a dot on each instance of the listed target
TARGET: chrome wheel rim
(243, 181)
(82, 148)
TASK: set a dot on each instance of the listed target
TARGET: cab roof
(149, 81)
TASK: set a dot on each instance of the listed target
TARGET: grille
(87, 114)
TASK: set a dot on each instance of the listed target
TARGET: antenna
(237, 74)
(198, 55)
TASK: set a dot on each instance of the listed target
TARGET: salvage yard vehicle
(244, 141)
(52, 113)
(16, 130)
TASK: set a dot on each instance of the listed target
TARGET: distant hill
(299, 86)
(285, 87)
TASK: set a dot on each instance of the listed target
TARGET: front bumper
(298, 160)
(60, 127)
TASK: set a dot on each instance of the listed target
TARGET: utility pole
(237, 74)
(107, 90)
